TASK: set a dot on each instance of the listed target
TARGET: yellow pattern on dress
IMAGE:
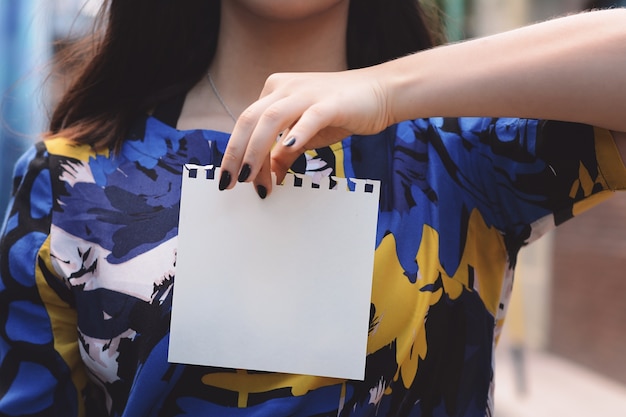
(66, 147)
(64, 323)
(249, 383)
(402, 307)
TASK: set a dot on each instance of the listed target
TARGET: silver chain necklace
(219, 97)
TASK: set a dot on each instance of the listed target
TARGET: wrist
(405, 87)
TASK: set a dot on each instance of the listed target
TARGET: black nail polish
(261, 191)
(224, 180)
(290, 141)
(244, 173)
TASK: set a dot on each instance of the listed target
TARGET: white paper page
(281, 284)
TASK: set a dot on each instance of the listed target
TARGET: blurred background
(563, 350)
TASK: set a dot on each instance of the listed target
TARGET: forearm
(571, 69)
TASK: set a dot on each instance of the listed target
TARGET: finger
(245, 173)
(283, 157)
(275, 119)
(281, 165)
(310, 131)
(263, 180)
(233, 155)
(313, 120)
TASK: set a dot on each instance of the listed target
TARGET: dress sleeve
(40, 367)
(524, 176)
(562, 169)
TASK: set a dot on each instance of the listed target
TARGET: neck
(311, 43)
(252, 47)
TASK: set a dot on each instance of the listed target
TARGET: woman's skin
(258, 38)
(566, 69)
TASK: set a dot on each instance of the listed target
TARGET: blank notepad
(281, 284)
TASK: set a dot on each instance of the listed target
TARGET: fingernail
(261, 191)
(290, 141)
(244, 173)
(224, 180)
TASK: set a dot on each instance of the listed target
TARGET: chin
(289, 9)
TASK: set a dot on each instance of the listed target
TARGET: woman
(90, 240)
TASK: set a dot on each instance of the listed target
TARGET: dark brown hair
(146, 51)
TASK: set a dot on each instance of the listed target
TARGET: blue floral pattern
(89, 259)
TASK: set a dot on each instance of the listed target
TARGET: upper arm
(34, 366)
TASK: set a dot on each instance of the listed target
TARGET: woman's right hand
(307, 111)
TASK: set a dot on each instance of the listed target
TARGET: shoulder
(29, 211)
(37, 174)
(65, 147)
